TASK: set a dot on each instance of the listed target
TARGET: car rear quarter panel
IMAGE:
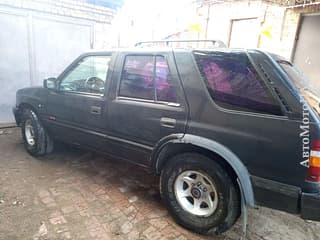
(269, 146)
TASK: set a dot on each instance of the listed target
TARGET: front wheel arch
(21, 108)
(42, 143)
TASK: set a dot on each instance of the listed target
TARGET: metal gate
(306, 55)
(34, 46)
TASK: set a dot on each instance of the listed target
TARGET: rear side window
(234, 84)
(147, 77)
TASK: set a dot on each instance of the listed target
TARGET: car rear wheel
(199, 193)
(36, 140)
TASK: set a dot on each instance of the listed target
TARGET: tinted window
(233, 82)
(165, 88)
(89, 75)
(137, 77)
(147, 77)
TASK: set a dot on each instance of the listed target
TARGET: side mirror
(50, 83)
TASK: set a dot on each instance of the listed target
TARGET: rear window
(234, 84)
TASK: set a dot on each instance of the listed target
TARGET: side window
(166, 90)
(234, 84)
(88, 76)
(137, 78)
(147, 77)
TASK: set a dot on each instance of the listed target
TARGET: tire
(36, 140)
(177, 179)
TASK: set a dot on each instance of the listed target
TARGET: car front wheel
(199, 193)
(36, 140)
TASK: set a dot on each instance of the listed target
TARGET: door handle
(168, 122)
(95, 110)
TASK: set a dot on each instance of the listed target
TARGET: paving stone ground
(74, 194)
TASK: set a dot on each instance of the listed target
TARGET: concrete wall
(39, 38)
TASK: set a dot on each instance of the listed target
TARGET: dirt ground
(73, 194)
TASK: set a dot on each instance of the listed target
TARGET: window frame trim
(142, 100)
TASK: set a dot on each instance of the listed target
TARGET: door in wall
(244, 33)
(306, 56)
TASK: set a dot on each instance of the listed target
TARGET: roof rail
(215, 43)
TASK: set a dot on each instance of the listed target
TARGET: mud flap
(244, 213)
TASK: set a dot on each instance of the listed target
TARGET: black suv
(225, 128)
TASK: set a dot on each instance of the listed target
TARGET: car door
(76, 112)
(146, 104)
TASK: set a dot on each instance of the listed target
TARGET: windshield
(308, 90)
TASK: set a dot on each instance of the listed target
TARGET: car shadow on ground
(126, 176)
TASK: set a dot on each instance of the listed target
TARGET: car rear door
(146, 104)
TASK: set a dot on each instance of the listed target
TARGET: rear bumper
(310, 206)
(287, 198)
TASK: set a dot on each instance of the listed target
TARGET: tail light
(313, 174)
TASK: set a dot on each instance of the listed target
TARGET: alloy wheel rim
(29, 133)
(196, 193)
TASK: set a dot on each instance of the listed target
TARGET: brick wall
(280, 20)
(288, 33)
(290, 27)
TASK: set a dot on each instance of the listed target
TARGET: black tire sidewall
(35, 149)
(223, 184)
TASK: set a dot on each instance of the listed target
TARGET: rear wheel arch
(199, 193)
(215, 151)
